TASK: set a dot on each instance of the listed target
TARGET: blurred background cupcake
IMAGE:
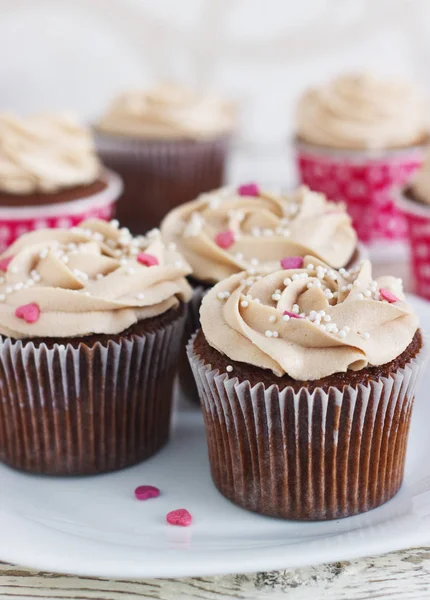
(414, 202)
(50, 175)
(307, 396)
(358, 136)
(91, 323)
(253, 229)
(169, 144)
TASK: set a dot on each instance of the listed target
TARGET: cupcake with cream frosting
(50, 174)
(251, 229)
(317, 369)
(357, 137)
(90, 326)
(169, 143)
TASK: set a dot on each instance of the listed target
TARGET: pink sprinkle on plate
(4, 262)
(388, 295)
(30, 313)
(180, 517)
(225, 239)
(145, 492)
(248, 189)
(292, 262)
(292, 315)
(148, 260)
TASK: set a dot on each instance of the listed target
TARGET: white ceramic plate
(94, 526)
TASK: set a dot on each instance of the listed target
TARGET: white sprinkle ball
(310, 285)
(310, 267)
(343, 288)
(296, 309)
(114, 223)
(275, 334)
(360, 296)
(268, 333)
(272, 319)
(287, 281)
(130, 271)
(229, 368)
(244, 304)
(367, 293)
(317, 283)
(295, 276)
(286, 317)
(327, 318)
(342, 333)
(276, 296)
(366, 335)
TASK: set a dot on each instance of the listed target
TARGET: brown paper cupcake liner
(89, 409)
(161, 174)
(192, 324)
(307, 455)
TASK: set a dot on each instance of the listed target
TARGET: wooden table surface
(401, 575)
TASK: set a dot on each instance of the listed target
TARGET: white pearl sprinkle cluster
(124, 249)
(324, 279)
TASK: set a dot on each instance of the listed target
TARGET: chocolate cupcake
(232, 230)
(91, 321)
(358, 137)
(50, 175)
(307, 379)
(169, 144)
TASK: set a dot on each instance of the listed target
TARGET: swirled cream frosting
(168, 112)
(234, 229)
(45, 153)
(95, 278)
(309, 321)
(362, 111)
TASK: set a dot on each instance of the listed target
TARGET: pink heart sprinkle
(388, 295)
(29, 312)
(179, 517)
(248, 189)
(144, 492)
(4, 262)
(292, 262)
(225, 239)
(292, 315)
(148, 260)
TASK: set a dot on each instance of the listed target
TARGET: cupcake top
(420, 184)
(247, 228)
(95, 278)
(309, 321)
(168, 112)
(362, 111)
(45, 153)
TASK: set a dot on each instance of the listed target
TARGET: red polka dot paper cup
(417, 216)
(15, 221)
(365, 182)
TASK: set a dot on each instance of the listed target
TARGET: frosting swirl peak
(362, 111)
(45, 153)
(95, 278)
(309, 322)
(231, 230)
(168, 112)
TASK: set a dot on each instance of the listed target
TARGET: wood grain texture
(398, 576)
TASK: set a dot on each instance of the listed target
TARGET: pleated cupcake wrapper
(418, 223)
(192, 323)
(307, 455)
(364, 181)
(15, 221)
(86, 410)
(161, 174)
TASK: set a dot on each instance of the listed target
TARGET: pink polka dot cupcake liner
(15, 221)
(417, 217)
(365, 182)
